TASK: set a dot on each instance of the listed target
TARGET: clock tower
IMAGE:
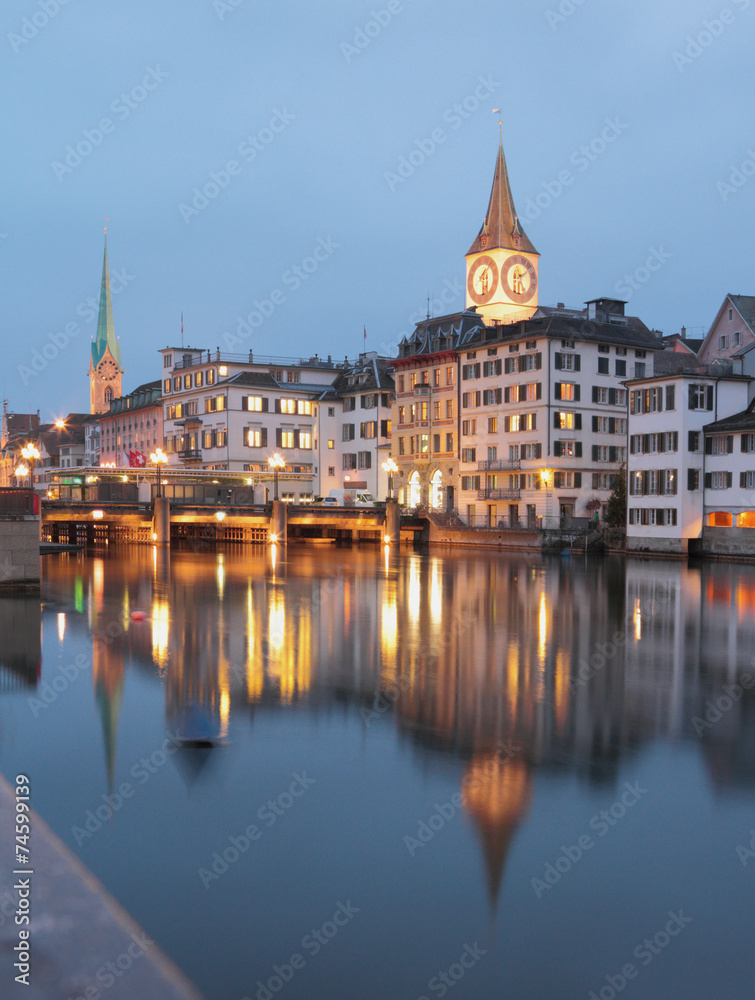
(105, 370)
(502, 264)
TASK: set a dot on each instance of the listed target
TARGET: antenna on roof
(428, 305)
(182, 329)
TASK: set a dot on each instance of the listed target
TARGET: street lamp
(276, 462)
(158, 458)
(21, 471)
(390, 467)
(31, 454)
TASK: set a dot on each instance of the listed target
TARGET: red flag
(137, 460)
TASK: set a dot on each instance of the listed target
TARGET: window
(469, 454)
(604, 480)
(468, 428)
(177, 383)
(736, 338)
(567, 449)
(304, 407)
(700, 397)
(449, 376)
(436, 410)
(199, 380)
(187, 381)
(747, 480)
(349, 462)
(513, 348)
(621, 368)
(286, 406)
(349, 404)
(513, 452)
(748, 443)
(368, 429)
(252, 403)
(670, 397)
(639, 369)
(292, 376)
(718, 480)
(567, 362)
(719, 444)
(401, 446)
(402, 414)
(436, 377)
(723, 341)
(470, 371)
(449, 443)
(567, 480)
(364, 460)
(568, 344)
(305, 439)
(412, 380)
(286, 439)
(449, 409)
(166, 385)
(530, 345)
(492, 368)
(167, 360)
(255, 437)
(214, 404)
(210, 376)
(567, 390)
(470, 483)
(532, 450)
(436, 443)
(347, 432)
(693, 441)
(424, 444)
(604, 349)
(492, 425)
(331, 470)
(331, 411)
(401, 383)
(603, 366)
(565, 420)
(491, 397)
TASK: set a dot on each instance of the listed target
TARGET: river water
(475, 775)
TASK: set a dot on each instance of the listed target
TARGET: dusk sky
(242, 135)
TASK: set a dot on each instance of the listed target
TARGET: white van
(353, 498)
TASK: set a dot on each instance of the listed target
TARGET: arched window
(414, 493)
(436, 490)
(109, 394)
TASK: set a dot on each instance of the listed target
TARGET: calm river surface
(474, 775)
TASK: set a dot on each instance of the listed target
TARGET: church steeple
(105, 329)
(502, 263)
(105, 368)
(501, 227)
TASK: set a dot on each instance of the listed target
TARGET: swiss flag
(137, 460)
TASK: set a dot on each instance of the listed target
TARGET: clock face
(108, 370)
(518, 278)
(483, 280)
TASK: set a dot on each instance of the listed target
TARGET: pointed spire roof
(105, 329)
(501, 224)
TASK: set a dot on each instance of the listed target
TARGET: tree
(616, 508)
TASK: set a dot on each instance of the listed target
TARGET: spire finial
(497, 111)
(106, 220)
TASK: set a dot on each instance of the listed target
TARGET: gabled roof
(373, 374)
(745, 306)
(254, 380)
(501, 226)
(742, 421)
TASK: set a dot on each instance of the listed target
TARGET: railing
(423, 389)
(498, 494)
(190, 453)
(222, 357)
(499, 465)
(16, 501)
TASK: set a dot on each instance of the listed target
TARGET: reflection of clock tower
(502, 263)
(105, 370)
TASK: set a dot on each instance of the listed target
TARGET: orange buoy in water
(138, 616)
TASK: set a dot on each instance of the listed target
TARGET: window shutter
(577, 362)
(612, 457)
(507, 424)
(538, 454)
(556, 421)
(709, 446)
(538, 360)
(595, 453)
(594, 423)
(578, 449)
(536, 484)
(265, 404)
(742, 480)
(578, 480)
(728, 480)
(661, 481)
(675, 482)
(645, 483)
(576, 393)
(558, 359)
(539, 392)
(691, 440)
(676, 440)
(263, 437)
(578, 421)
(612, 397)
(245, 437)
(277, 405)
(631, 444)
(708, 480)
(557, 449)
(709, 397)
(692, 398)
(745, 443)
(278, 437)
(691, 478)
(661, 439)
(522, 393)
(296, 439)
(670, 397)
(244, 402)
(729, 444)
(558, 390)
(506, 393)
(595, 394)
(612, 425)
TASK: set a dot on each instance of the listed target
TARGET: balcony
(190, 455)
(499, 494)
(499, 465)
(423, 389)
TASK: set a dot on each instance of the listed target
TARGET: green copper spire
(105, 329)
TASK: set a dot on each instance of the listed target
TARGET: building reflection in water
(508, 664)
(20, 642)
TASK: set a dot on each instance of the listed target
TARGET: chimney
(684, 333)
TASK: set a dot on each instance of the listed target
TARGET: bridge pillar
(392, 522)
(279, 521)
(161, 521)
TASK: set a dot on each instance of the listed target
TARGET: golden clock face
(108, 371)
(518, 278)
(483, 280)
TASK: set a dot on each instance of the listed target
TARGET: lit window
(288, 406)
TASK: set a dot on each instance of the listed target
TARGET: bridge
(92, 522)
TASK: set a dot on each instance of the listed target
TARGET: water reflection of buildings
(20, 642)
(476, 658)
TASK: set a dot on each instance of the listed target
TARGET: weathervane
(106, 220)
